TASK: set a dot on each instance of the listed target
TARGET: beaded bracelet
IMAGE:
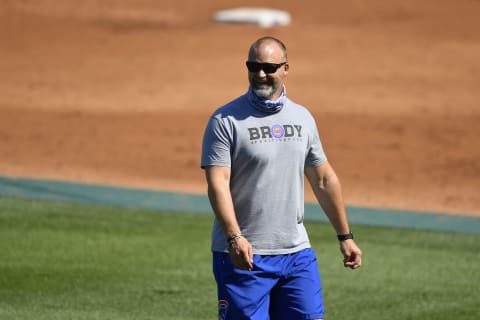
(234, 237)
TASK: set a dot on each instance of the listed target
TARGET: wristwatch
(346, 236)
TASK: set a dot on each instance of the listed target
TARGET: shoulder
(299, 110)
(225, 118)
(231, 109)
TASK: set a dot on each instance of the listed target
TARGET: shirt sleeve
(315, 154)
(216, 145)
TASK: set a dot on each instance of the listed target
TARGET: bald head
(267, 67)
(268, 45)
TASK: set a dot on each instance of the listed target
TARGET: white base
(262, 17)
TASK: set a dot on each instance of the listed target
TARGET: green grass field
(65, 261)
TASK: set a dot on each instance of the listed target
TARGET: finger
(240, 263)
(238, 259)
(346, 260)
(348, 264)
(354, 262)
(248, 259)
(358, 262)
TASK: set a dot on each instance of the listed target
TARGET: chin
(265, 93)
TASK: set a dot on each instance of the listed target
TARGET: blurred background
(118, 92)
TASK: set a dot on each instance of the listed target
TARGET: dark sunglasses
(266, 67)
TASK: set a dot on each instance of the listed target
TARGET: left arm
(328, 191)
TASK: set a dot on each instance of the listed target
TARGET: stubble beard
(264, 90)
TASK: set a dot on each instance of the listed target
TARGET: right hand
(241, 253)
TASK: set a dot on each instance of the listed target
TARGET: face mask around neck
(265, 105)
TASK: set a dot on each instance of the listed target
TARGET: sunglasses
(253, 66)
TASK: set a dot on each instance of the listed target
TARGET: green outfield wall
(183, 202)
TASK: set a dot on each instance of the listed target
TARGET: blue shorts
(279, 287)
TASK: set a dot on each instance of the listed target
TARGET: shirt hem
(272, 252)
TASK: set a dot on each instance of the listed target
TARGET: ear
(286, 66)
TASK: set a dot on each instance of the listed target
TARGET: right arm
(218, 180)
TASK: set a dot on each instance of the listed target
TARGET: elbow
(322, 178)
(327, 182)
(322, 183)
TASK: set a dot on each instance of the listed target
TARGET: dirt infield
(118, 92)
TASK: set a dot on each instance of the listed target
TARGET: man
(256, 151)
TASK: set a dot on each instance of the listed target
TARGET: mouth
(262, 84)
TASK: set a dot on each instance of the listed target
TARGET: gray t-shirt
(267, 154)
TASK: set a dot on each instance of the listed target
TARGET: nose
(260, 74)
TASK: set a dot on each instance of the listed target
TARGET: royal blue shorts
(279, 287)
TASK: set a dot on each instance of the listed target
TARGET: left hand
(352, 255)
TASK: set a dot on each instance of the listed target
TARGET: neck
(270, 106)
